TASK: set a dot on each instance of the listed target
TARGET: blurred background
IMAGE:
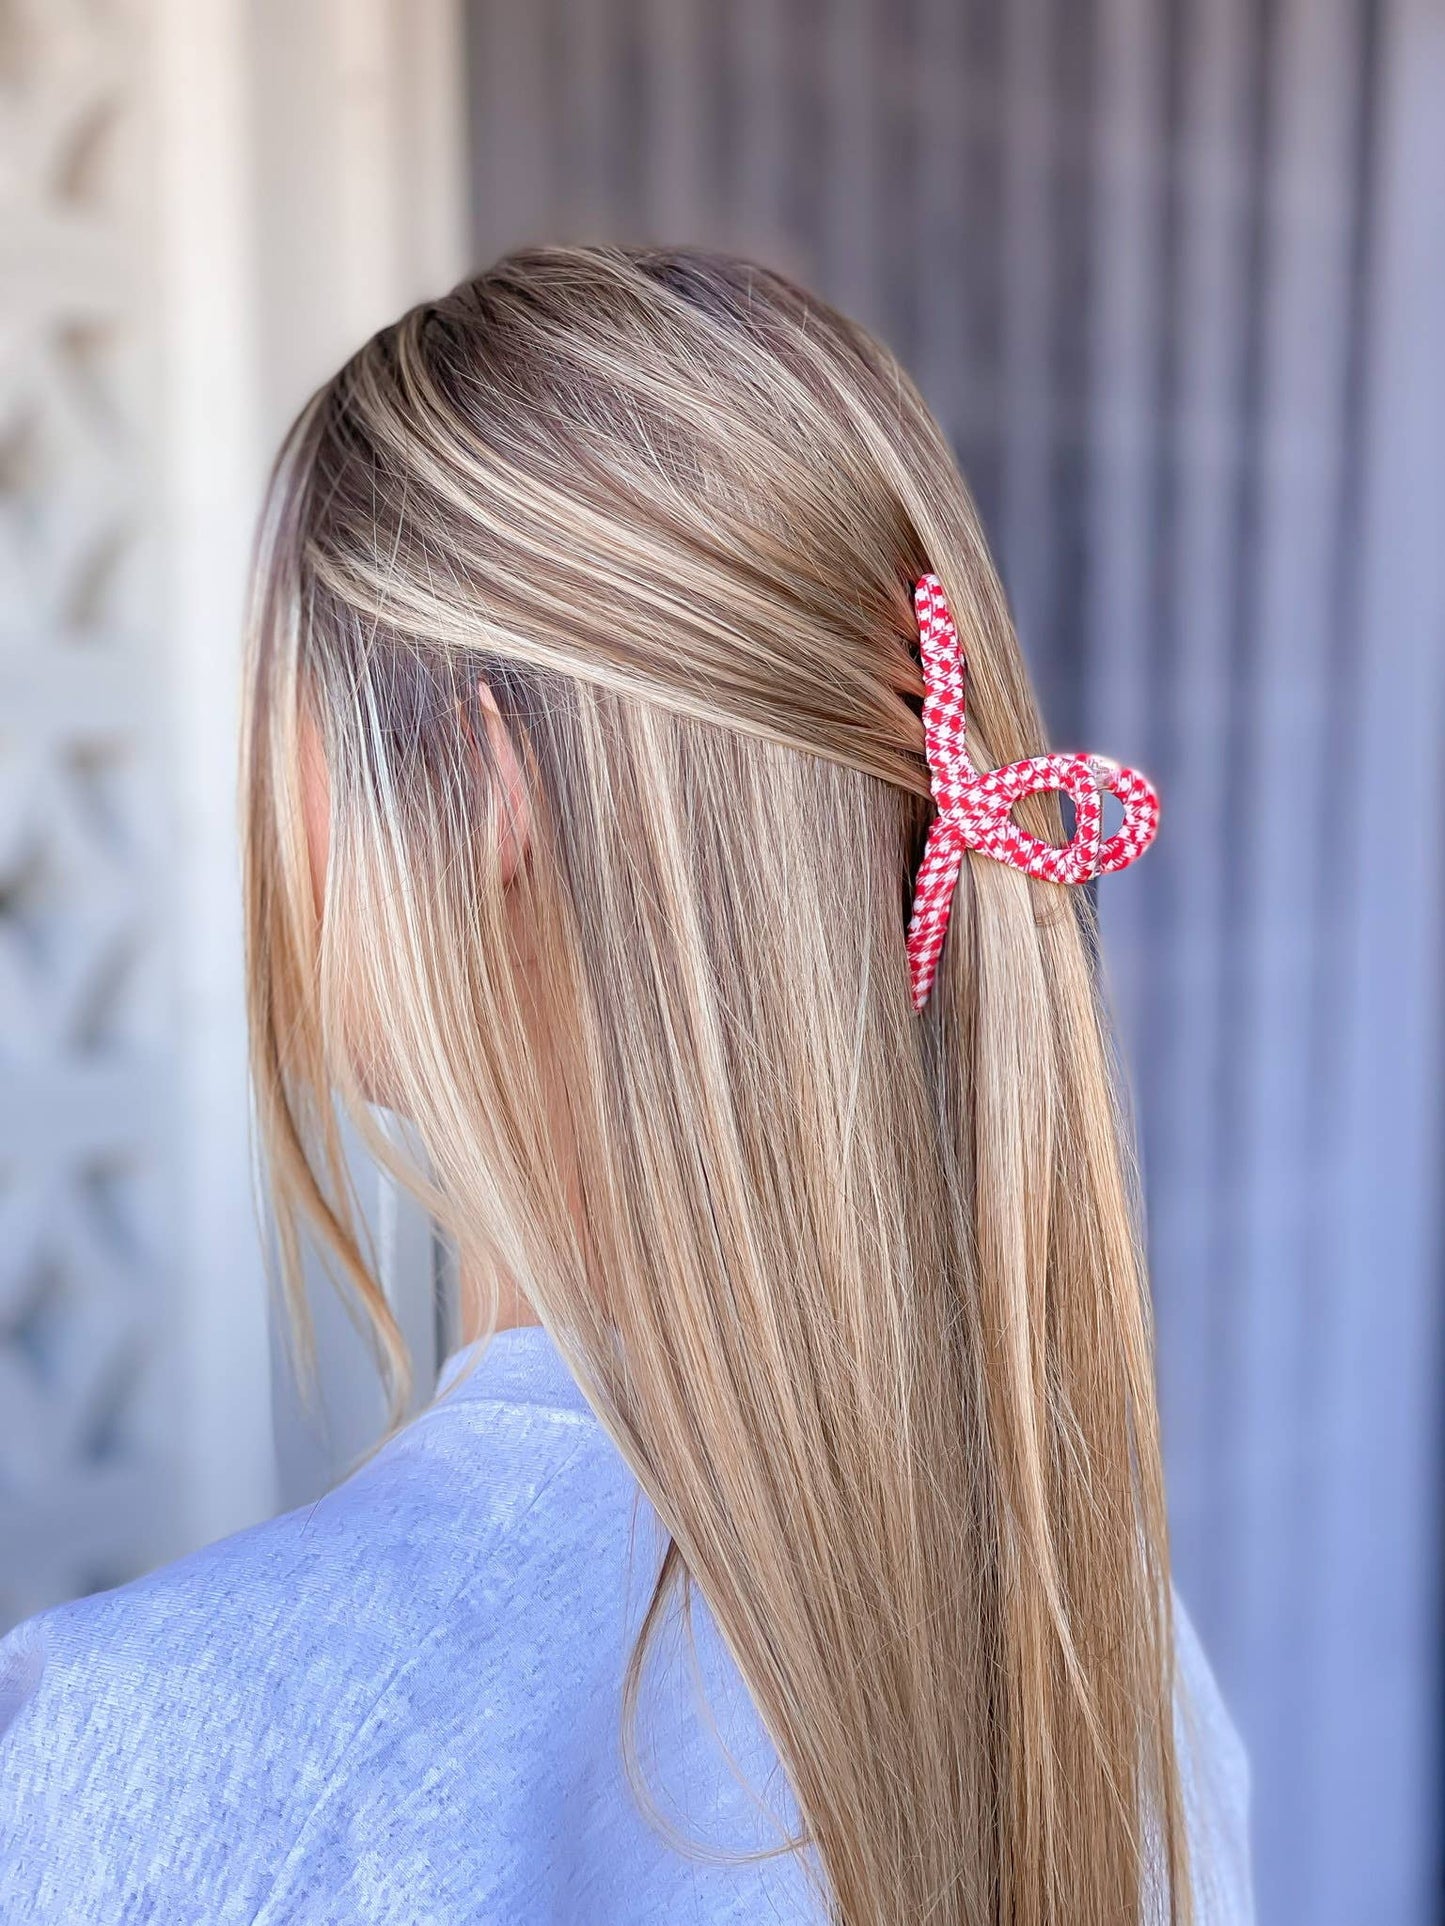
(1172, 273)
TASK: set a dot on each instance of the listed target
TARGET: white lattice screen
(204, 204)
(84, 1060)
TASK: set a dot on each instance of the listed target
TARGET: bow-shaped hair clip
(974, 808)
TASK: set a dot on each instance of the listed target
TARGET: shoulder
(182, 1729)
(1214, 1771)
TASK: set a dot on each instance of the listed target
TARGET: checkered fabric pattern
(975, 807)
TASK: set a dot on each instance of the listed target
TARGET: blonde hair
(858, 1293)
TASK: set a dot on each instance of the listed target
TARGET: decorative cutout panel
(83, 1061)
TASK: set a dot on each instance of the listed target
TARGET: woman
(795, 1547)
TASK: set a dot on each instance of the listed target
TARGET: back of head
(857, 1291)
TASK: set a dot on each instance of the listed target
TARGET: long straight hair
(857, 1292)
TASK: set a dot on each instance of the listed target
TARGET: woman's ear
(315, 805)
(515, 812)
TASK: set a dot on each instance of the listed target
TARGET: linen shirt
(402, 1704)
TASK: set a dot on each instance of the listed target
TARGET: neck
(513, 1310)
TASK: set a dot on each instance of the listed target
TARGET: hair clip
(974, 808)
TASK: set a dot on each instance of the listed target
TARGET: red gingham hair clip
(974, 808)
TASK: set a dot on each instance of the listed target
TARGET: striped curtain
(1172, 273)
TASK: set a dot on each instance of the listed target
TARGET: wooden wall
(1173, 275)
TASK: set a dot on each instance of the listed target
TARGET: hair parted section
(858, 1292)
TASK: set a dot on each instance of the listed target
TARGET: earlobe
(315, 805)
(515, 814)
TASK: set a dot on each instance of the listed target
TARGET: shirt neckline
(520, 1365)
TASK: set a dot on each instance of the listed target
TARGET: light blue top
(402, 1705)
